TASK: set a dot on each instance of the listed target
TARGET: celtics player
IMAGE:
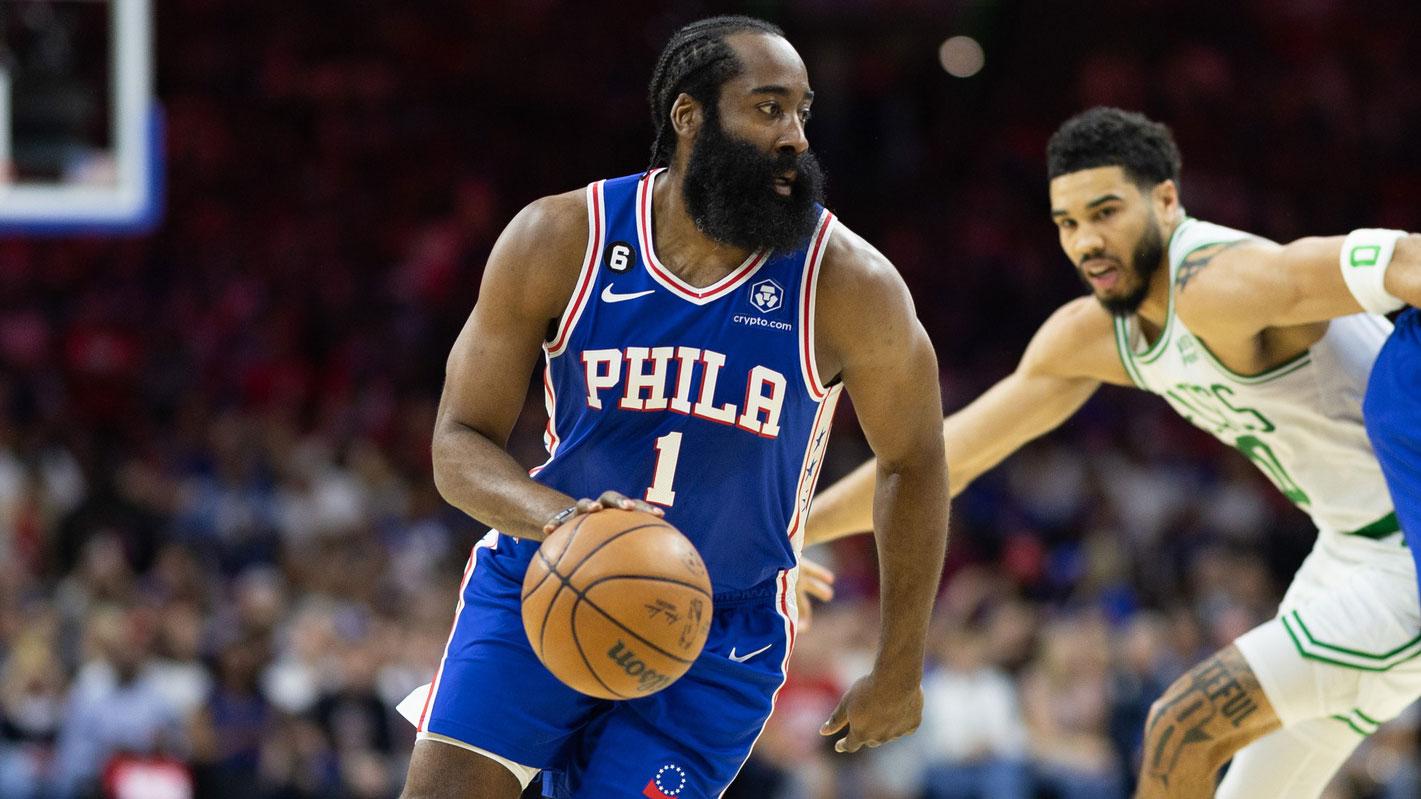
(1268, 347)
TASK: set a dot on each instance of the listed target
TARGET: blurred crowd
(222, 557)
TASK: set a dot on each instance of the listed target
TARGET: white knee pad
(1295, 762)
(524, 774)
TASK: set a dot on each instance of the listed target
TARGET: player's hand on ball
(876, 710)
(815, 582)
(608, 499)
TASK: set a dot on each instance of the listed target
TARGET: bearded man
(698, 322)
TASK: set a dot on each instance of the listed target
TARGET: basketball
(617, 604)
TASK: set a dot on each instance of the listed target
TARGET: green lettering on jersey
(1214, 410)
(1242, 420)
(1262, 455)
(1197, 405)
(1211, 409)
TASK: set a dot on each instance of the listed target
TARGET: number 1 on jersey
(668, 451)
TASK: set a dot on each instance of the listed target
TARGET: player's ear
(1165, 196)
(686, 115)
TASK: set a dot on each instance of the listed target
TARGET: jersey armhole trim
(596, 202)
(1122, 348)
(1381, 528)
(551, 439)
(809, 287)
(1153, 352)
(1283, 369)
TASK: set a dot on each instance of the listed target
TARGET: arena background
(222, 557)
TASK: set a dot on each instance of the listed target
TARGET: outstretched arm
(1243, 289)
(1067, 360)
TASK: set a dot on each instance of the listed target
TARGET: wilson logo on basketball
(611, 607)
(648, 679)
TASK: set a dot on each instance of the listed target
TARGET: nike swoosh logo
(747, 655)
(610, 296)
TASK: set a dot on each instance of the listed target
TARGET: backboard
(80, 131)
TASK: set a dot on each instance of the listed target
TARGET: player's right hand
(607, 499)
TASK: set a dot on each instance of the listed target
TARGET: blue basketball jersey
(705, 401)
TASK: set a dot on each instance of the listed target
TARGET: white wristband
(1366, 254)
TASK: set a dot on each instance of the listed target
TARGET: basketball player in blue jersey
(698, 323)
(1269, 347)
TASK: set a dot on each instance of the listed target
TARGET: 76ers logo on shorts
(766, 296)
(669, 781)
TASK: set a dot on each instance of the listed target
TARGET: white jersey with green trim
(1299, 422)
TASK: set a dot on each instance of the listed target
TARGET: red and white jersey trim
(786, 607)
(667, 278)
(596, 215)
(489, 541)
(812, 464)
(551, 440)
(786, 604)
(807, 303)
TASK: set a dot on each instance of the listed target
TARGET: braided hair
(696, 61)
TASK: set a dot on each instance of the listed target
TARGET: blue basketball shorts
(687, 741)
(1392, 410)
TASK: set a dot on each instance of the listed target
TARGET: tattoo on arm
(1196, 261)
(1200, 711)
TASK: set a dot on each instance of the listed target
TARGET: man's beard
(1145, 261)
(730, 192)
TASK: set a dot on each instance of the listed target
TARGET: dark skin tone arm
(530, 275)
(890, 370)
